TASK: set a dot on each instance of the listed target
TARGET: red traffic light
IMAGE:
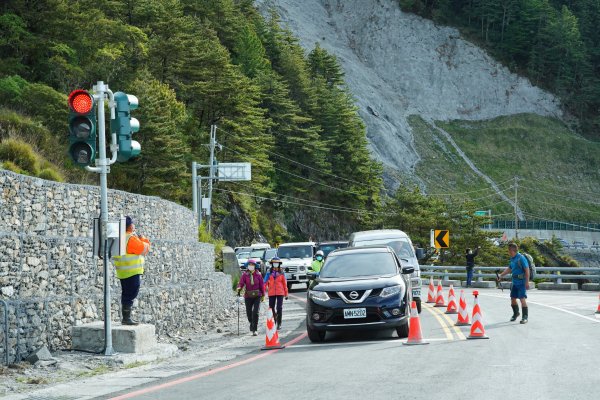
(80, 101)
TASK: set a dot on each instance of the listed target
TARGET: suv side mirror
(407, 270)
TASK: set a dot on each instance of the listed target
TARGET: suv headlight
(318, 295)
(391, 291)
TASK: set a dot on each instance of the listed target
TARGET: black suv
(328, 247)
(359, 288)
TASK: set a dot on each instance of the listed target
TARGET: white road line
(547, 306)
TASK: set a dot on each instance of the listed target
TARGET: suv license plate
(355, 313)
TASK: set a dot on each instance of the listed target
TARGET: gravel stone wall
(50, 280)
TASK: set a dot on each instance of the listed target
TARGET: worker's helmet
(320, 253)
(276, 262)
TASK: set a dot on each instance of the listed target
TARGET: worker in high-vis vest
(129, 269)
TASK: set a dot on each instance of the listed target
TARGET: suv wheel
(316, 336)
(289, 286)
(402, 331)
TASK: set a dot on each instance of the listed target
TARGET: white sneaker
(254, 333)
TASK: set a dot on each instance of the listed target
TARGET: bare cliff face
(398, 64)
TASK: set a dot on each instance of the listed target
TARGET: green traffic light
(124, 125)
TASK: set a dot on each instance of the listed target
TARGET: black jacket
(471, 258)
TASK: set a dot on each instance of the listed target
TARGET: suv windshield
(257, 253)
(401, 247)
(243, 254)
(328, 248)
(270, 254)
(359, 264)
(295, 251)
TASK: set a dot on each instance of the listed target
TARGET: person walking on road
(130, 268)
(277, 286)
(254, 293)
(470, 255)
(519, 268)
(317, 264)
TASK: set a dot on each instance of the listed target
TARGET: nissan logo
(353, 295)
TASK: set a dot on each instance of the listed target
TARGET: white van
(403, 247)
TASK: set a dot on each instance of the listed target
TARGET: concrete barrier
(230, 262)
(126, 338)
(557, 286)
(590, 287)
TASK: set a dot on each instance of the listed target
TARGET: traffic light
(82, 127)
(124, 126)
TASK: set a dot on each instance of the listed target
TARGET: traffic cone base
(271, 337)
(415, 336)
(598, 309)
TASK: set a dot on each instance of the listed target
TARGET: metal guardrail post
(5, 304)
(558, 280)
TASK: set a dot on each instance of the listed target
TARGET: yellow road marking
(457, 330)
(441, 322)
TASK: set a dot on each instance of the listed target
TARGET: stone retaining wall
(51, 281)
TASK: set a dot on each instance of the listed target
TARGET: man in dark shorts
(519, 268)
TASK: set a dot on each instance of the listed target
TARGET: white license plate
(355, 313)
(416, 292)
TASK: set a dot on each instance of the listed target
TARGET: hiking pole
(498, 285)
(238, 301)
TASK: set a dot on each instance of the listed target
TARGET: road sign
(227, 172)
(441, 239)
(481, 213)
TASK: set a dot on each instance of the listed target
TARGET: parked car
(328, 247)
(239, 250)
(243, 258)
(269, 254)
(403, 247)
(359, 288)
(296, 258)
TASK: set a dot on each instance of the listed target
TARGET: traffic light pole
(102, 165)
(213, 141)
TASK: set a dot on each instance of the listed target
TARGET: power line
(311, 201)
(287, 158)
(306, 179)
(471, 191)
(566, 207)
(560, 187)
(558, 195)
(298, 204)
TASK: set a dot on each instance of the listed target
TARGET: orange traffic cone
(415, 336)
(477, 329)
(431, 292)
(439, 300)
(598, 309)
(451, 302)
(272, 338)
(463, 314)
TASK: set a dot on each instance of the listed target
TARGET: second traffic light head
(124, 126)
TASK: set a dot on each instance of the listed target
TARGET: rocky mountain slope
(399, 64)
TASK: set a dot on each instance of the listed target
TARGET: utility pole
(516, 215)
(213, 141)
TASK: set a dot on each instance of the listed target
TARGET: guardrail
(543, 273)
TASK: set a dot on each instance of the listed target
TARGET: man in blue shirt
(519, 268)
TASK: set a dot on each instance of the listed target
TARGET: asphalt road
(555, 356)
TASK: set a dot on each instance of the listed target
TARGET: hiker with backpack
(519, 267)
